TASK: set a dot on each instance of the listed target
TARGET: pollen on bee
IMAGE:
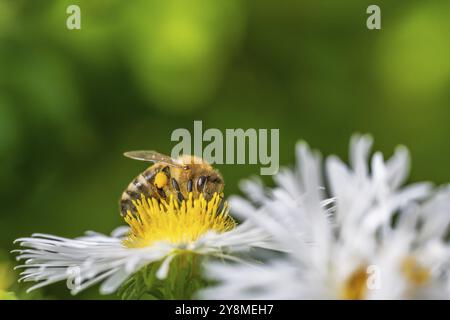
(161, 180)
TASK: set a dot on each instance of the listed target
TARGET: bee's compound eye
(200, 183)
(161, 180)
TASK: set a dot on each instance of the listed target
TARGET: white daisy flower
(357, 234)
(157, 233)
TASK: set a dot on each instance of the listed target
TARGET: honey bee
(170, 177)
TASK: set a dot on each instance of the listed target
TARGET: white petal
(114, 282)
(398, 167)
(93, 257)
(164, 268)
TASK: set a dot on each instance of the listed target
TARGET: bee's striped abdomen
(142, 185)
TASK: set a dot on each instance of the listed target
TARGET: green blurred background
(71, 101)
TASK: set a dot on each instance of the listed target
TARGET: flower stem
(182, 282)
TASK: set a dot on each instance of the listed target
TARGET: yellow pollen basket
(174, 222)
(161, 180)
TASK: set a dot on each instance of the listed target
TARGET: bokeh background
(72, 101)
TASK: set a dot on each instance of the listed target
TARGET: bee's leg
(201, 184)
(176, 186)
(189, 186)
(166, 170)
(222, 203)
(161, 193)
(221, 206)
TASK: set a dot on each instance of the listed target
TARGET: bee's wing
(152, 156)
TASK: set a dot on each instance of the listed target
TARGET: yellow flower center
(414, 272)
(355, 286)
(174, 222)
